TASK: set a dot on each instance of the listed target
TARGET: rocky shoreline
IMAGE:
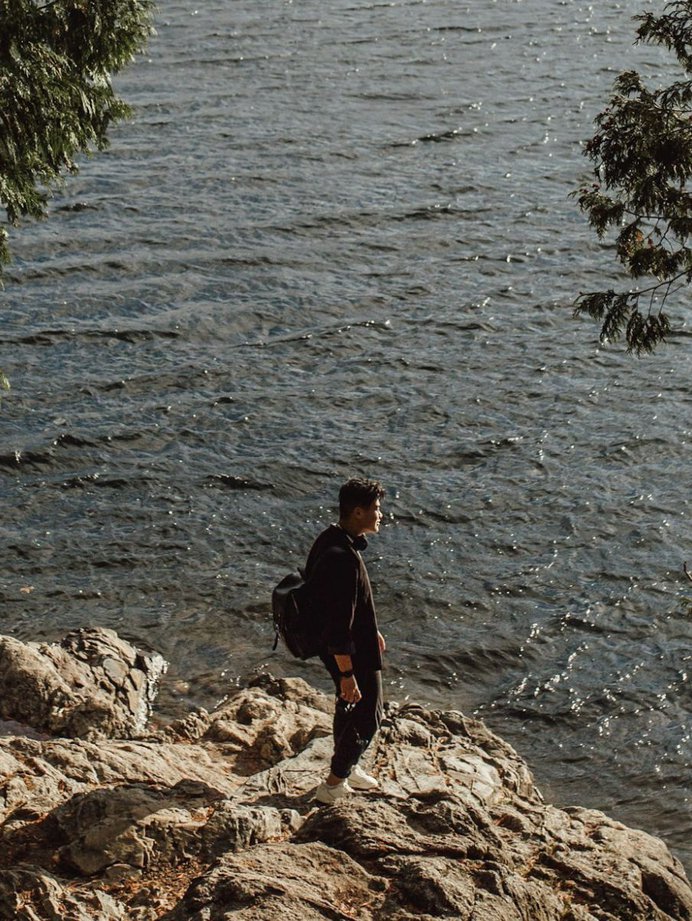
(212, 817)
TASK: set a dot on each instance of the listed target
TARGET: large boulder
(90, 684)
(37, 777)
(459, 831)
(276, 882)
(213, 817)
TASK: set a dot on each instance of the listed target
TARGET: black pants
(354, 724)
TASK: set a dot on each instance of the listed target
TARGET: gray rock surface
(212, 817)
(91, 683)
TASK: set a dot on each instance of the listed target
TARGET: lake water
(336, 239)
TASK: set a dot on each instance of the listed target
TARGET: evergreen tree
(642, 163)
(56, 97)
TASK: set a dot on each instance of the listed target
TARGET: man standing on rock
(352, 644)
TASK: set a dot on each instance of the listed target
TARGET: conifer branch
(641, 155)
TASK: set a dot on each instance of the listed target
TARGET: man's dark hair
(358, 493)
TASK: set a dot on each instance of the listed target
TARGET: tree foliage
(56, 97)
(641, 153)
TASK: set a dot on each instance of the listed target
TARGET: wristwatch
(348, 674)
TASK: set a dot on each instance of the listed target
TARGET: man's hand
(381, 640)
(350, 692)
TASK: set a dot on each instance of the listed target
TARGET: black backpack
(294, 618)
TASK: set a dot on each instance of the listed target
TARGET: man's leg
(341, 708)
(355, 725)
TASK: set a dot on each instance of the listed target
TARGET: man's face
(371, 516)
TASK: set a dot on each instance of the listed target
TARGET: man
(352, 644)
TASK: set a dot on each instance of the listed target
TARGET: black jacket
(342, 597)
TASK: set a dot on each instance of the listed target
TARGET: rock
(35, 895)
(91, 684)
(291, 781)
(128, 829)
(236, 826)
(262, 724)
(277, 882)
(460, 832)
(213, 816)
(133, 826)
(38, 777)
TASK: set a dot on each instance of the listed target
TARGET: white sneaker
(326, 793)
(359, 780)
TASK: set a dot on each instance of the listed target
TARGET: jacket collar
(358, 543)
